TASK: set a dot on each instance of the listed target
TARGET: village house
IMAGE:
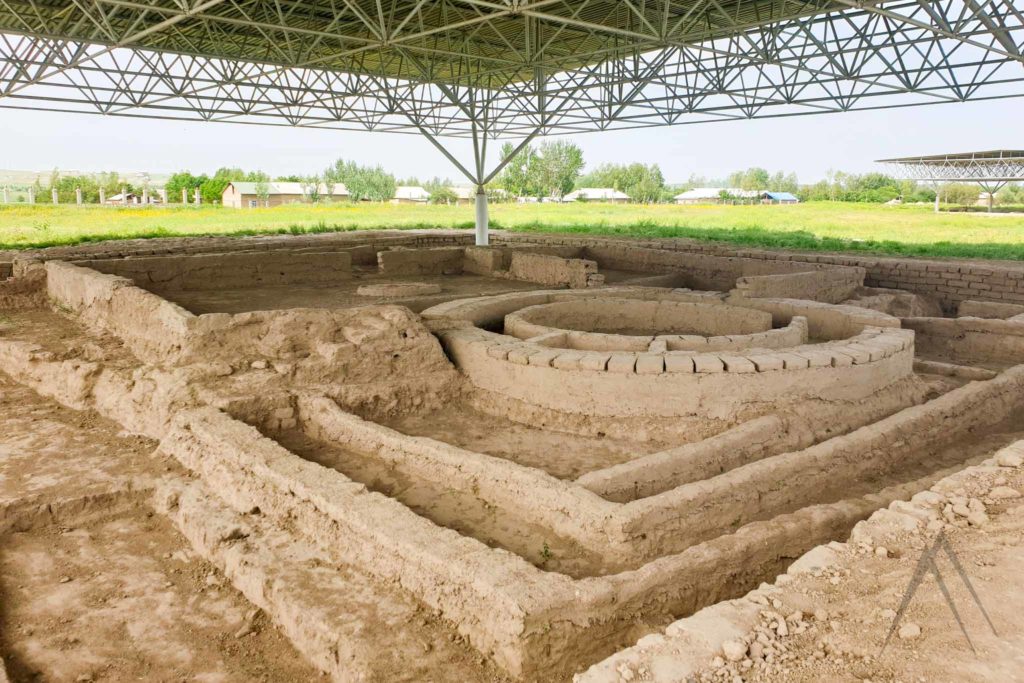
(410, 194)
(597, 194)
(239, 194)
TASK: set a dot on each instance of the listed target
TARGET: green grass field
(906, 230)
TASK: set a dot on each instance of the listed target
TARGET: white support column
(184, 196)
(124, 196)
(54, 197)
(481, 217)
(31, 196)
(145, 196)
(103, 196)
(78, 196)
(7, 196)
(163, 196)
(198, 197)
(938, 191)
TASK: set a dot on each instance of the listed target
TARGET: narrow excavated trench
(498, 527)
(454, 508)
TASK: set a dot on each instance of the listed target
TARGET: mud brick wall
(554, 271)
(828, 286)
(151, 327)
(496, 261)
(225, 271)
(440, 261)
(989, 309)
(485, 260)
(172, 246)
(619, 384)
(969, 339)
(821, 472)
(949, 281)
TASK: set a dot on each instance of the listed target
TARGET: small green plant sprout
(545, 552)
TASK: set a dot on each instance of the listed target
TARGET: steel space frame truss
(843, 56)
(992, 173)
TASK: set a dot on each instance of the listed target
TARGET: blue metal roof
(782, 196)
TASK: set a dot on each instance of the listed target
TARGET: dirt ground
(57, 333)
(93, 585)
(121, 597)
(837, 619)
(49, 453)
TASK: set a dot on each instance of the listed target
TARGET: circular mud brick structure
(648, 353)
(625, 324)
(397, 290)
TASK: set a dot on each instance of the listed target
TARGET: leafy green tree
(780, 182)
(263, 190)
(642, 182)
(1010, 195)
(440, 191)
(754, 178)
(362, 182)
(311, 187)
(377, 184)
(519, 175)
(560, 165)
(963, 194)
(183, 180)
(212, 189)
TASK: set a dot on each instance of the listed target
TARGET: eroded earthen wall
(229, 270)
(949, 281)
(969, 340)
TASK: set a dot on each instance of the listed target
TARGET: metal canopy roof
(992, 169)
(491, 69)
(502, 68)
(450, 42)
(992, 157)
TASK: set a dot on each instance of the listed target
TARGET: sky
(806, 145)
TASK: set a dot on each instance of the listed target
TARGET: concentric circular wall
(649, 352)
(611, 323)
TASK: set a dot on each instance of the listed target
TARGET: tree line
(552, 169)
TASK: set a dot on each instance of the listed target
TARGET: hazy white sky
(808, 145)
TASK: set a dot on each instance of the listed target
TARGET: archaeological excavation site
(397, 456)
